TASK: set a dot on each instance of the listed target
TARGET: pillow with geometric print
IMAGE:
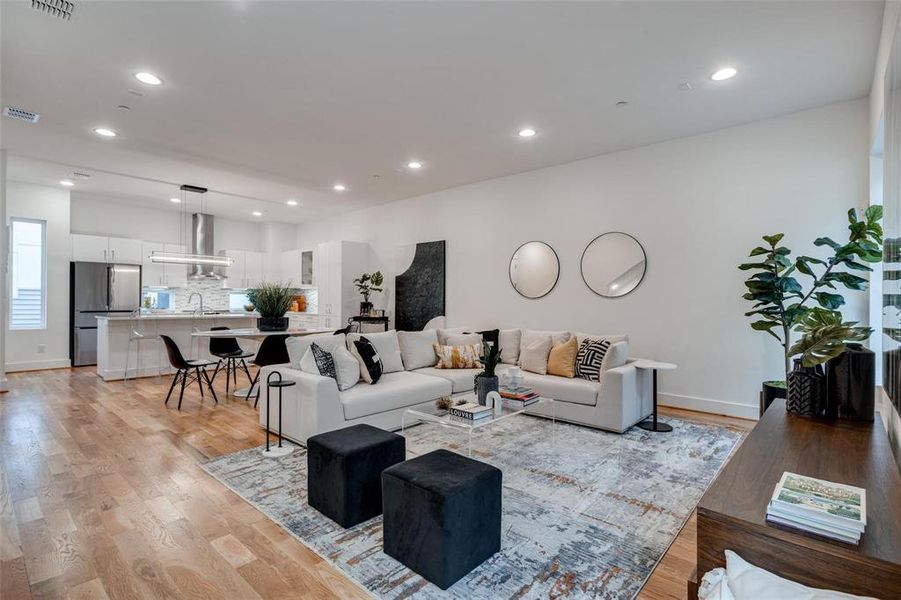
(590, 358)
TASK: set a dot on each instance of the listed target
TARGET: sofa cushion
(462, 380)
(458, 357)
(617, 355)
(563, 389)
(371, 367)
(610, 337)
(590, 359)
(416, 348)
(297, 346)
(557, 337)
(394, 391)
(562, 359)
(446, 331)
(533, 355)
(462, 339)
(386, 345)
(509, 340)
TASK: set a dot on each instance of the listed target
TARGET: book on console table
(470, 411)
(833, 510)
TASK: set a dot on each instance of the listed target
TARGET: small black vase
(365, 308)
(272, 323)
(850, 383)
(806, 395)
(485, 385)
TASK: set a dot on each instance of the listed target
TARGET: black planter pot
(365, 308)
(483, 386)
(850, 383)
(806, 395)
(770, 393)
(272, 323)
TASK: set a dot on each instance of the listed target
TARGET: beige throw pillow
(562, 359)
(458, 357)
(533, 357)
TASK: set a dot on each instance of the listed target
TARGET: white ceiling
(273, 100)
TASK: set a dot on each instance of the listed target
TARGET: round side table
(652, 424)
(279, 383)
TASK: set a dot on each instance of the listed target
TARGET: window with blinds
(28, 274)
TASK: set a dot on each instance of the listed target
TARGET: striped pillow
(590, 358)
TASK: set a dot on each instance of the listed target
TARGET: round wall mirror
(534, 269)
(613, 264)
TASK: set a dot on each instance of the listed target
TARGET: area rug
(586, 514)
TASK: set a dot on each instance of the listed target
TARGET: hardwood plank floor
(101, 496)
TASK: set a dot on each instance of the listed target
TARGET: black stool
(344, 471)
(279, 384)
(442, 515)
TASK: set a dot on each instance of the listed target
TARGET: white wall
(44, 348)
(4, 251)
(95, 215)
(697, 205)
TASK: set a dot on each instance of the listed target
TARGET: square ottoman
(344, 471)
(442, 515)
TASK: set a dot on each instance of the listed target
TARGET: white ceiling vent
(61, 9)
(20, 113)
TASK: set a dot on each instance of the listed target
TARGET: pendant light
(190, 258)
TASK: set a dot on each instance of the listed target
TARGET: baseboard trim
(707, 405)
(38, 365)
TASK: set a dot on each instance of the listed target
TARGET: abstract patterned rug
(586, 514)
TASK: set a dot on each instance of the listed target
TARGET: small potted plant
(366, 284)
(272, 301)
(487, 381)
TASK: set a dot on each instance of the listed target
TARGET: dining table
(252, 333)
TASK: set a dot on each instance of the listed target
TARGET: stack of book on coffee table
(518, 397)
(833, 510)
(469, 411)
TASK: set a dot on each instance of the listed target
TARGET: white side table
(653, 365)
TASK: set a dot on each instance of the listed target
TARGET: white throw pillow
(444, 332)
(617, 355)
(748, 582)
(347, 368)
(416, 348)
(463, 339)
(385, 343)
(534, 356)
(531, 335)
(508, 340)
(715, 586)
(298, 345)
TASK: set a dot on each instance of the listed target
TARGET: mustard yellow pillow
(458, 357)
(562, 359)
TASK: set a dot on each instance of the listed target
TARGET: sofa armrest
(311, 406)
(625, 395)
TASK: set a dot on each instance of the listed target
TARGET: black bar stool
(272, 351)
(279, 384)
(187, 371)
(227, 350)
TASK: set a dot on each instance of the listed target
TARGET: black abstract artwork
(419, 290)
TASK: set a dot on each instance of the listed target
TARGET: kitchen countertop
(294, 313)
(177, 316)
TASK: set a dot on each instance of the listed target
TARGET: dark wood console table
(732, 513)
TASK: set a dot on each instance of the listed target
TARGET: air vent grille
(61, 9)
(20, 113)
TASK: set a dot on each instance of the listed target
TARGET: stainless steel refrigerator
(98, 289)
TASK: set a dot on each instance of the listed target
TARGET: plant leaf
(830, 301)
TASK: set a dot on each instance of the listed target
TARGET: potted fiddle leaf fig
(366, 284)
(781, 303)
(272, 301)
(487, 380)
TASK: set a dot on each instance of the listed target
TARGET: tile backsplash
(216, 297)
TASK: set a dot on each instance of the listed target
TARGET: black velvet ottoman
(344, 471)
(442, 515)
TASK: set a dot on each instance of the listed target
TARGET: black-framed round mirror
(613, 264)
(534, 269)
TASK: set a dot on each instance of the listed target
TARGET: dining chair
(187, 371)
(229, 353)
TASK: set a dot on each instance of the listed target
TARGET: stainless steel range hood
(202, 245)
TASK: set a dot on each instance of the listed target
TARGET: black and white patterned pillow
(590, 358)
(324, 362)
(370, 362)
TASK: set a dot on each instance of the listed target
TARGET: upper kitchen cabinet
(246, 269)
(102, 249)
(297, 267)
(162, 274)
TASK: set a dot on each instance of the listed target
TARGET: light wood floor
(101, 496)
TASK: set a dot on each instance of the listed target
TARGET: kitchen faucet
(199, 295)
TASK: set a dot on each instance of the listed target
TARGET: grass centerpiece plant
(487, 380)
(272, 301)
(366, 284)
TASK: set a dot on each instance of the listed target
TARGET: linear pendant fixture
(202, 231)
(183, 258)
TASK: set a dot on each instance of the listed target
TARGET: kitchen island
(114, 332)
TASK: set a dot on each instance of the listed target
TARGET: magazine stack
(832, 510)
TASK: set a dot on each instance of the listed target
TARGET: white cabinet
(291, 267)
(175, 276)
(253, 268)
(335, 266)
(162, 274)
(97, 248)
(301, 321)
(246, 269)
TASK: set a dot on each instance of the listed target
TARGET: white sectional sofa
(619, 400)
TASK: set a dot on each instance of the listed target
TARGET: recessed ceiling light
(148, 78)
(105, 132)
(724, 73)
(257, 213)
(175, 200)
(339, 187)
(527, 132)
(67, 182)
(291, 202)
(414, 164)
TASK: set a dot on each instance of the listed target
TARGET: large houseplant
(781, 304)
(366, 284)
(272, 301)
(487, 380)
